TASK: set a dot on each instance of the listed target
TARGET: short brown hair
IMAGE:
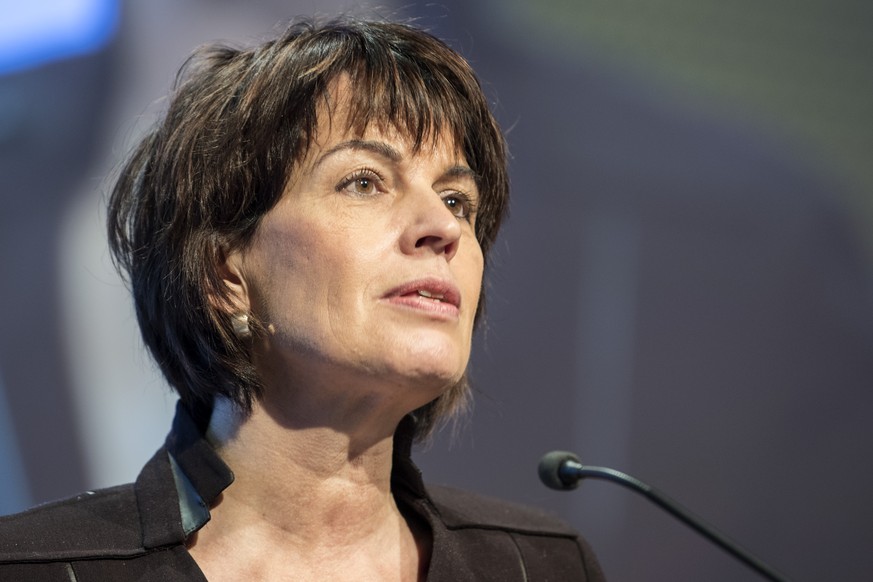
(238, 121)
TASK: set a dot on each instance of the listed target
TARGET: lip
(407, 295)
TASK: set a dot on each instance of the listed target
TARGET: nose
(431, 226)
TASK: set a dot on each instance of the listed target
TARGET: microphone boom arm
(570, 471)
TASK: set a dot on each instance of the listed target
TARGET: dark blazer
(138, 531)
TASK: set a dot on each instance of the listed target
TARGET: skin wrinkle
(349, 414)
(405, 208)
(380, 193)
(343, 344)
(337, 322)
(243, 118)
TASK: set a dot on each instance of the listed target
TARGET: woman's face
(368, 268)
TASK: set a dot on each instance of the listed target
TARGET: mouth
(435, 296)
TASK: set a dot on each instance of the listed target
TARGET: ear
(236, 298)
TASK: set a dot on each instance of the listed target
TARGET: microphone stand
(570, 471)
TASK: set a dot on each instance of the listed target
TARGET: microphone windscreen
(550, 470)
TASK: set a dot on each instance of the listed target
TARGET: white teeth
(430, 295)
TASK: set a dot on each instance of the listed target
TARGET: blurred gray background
(684, 290)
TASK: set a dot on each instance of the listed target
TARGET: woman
(305, 235)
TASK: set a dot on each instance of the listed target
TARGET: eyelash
(362, 174)
(467, 205)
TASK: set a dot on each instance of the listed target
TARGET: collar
(176, 488)
(181, 481)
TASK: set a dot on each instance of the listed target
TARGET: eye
(364, 182)
(459, 204)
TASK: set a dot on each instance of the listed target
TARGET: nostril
(431, 241)
(439, 244)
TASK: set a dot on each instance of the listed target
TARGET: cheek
(281, 268)
(343, 263)
(321, 259)
(470, 270)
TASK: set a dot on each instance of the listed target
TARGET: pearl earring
(241, 325)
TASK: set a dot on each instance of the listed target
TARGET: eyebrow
(386, 151)
(377, 147)
(462, 172)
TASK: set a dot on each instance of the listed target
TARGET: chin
(425, 375)
(433, 361)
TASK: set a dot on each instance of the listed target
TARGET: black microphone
(563, 471)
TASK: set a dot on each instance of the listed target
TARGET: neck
(309, 482)
(308, 501)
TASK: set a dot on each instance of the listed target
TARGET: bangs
(424, 107)
(416, 85)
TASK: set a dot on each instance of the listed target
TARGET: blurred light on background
(33, 34)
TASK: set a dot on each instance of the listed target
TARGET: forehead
(342, 114)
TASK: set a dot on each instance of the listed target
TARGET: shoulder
(464, 509)
(497, 539)
(96, 523)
